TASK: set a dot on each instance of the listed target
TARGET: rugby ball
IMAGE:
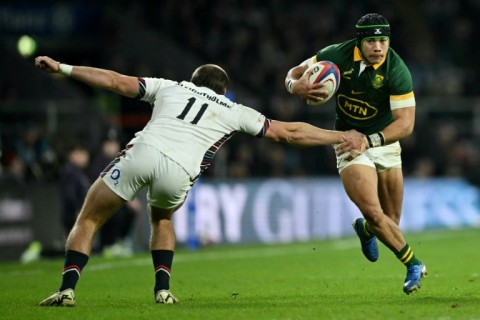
(324, 72)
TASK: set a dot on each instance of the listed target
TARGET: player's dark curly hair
(373, 19)
(211, 76)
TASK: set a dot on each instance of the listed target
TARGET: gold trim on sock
(365, 230)
(407, 256)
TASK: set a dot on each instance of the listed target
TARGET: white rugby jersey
(189, 123)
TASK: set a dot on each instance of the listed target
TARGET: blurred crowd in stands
(257, 42)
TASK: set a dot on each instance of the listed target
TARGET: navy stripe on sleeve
(264, 129)
(141, 88)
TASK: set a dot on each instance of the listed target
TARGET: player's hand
(305, 90)
(354, 143)
(47, 64)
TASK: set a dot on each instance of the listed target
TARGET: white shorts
(141, 165)
(380, 158)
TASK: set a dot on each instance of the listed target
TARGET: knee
(157, 214)
(373, 214)
(395, 217)
(89, 221)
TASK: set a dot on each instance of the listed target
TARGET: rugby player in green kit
(376, 98)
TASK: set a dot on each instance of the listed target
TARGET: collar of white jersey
(357, 56)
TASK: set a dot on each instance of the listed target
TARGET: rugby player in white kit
(190, 121)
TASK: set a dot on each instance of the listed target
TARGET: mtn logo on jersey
(356, 109)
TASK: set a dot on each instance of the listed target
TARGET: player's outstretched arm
(302, 134)
(95, 77)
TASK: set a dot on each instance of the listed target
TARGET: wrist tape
(376, 140)
(65, 69)
(289, 86)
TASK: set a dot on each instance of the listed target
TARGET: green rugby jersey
(365, 101)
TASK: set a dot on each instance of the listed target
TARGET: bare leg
(360, 183)
(99, 205)
(162, 246)
(162, 232)
(390, 191)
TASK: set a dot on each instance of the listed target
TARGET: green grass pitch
(315, 280)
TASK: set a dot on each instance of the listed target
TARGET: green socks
(407, 256)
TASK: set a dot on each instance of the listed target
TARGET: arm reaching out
(301, 134)
(354, 143)
(95, 77)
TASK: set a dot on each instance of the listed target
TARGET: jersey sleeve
(251, 121)
(148, 88)
(401, 92)
(328, 53)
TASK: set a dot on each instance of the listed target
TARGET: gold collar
(357, 56)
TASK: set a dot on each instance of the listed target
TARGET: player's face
(375, 49)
